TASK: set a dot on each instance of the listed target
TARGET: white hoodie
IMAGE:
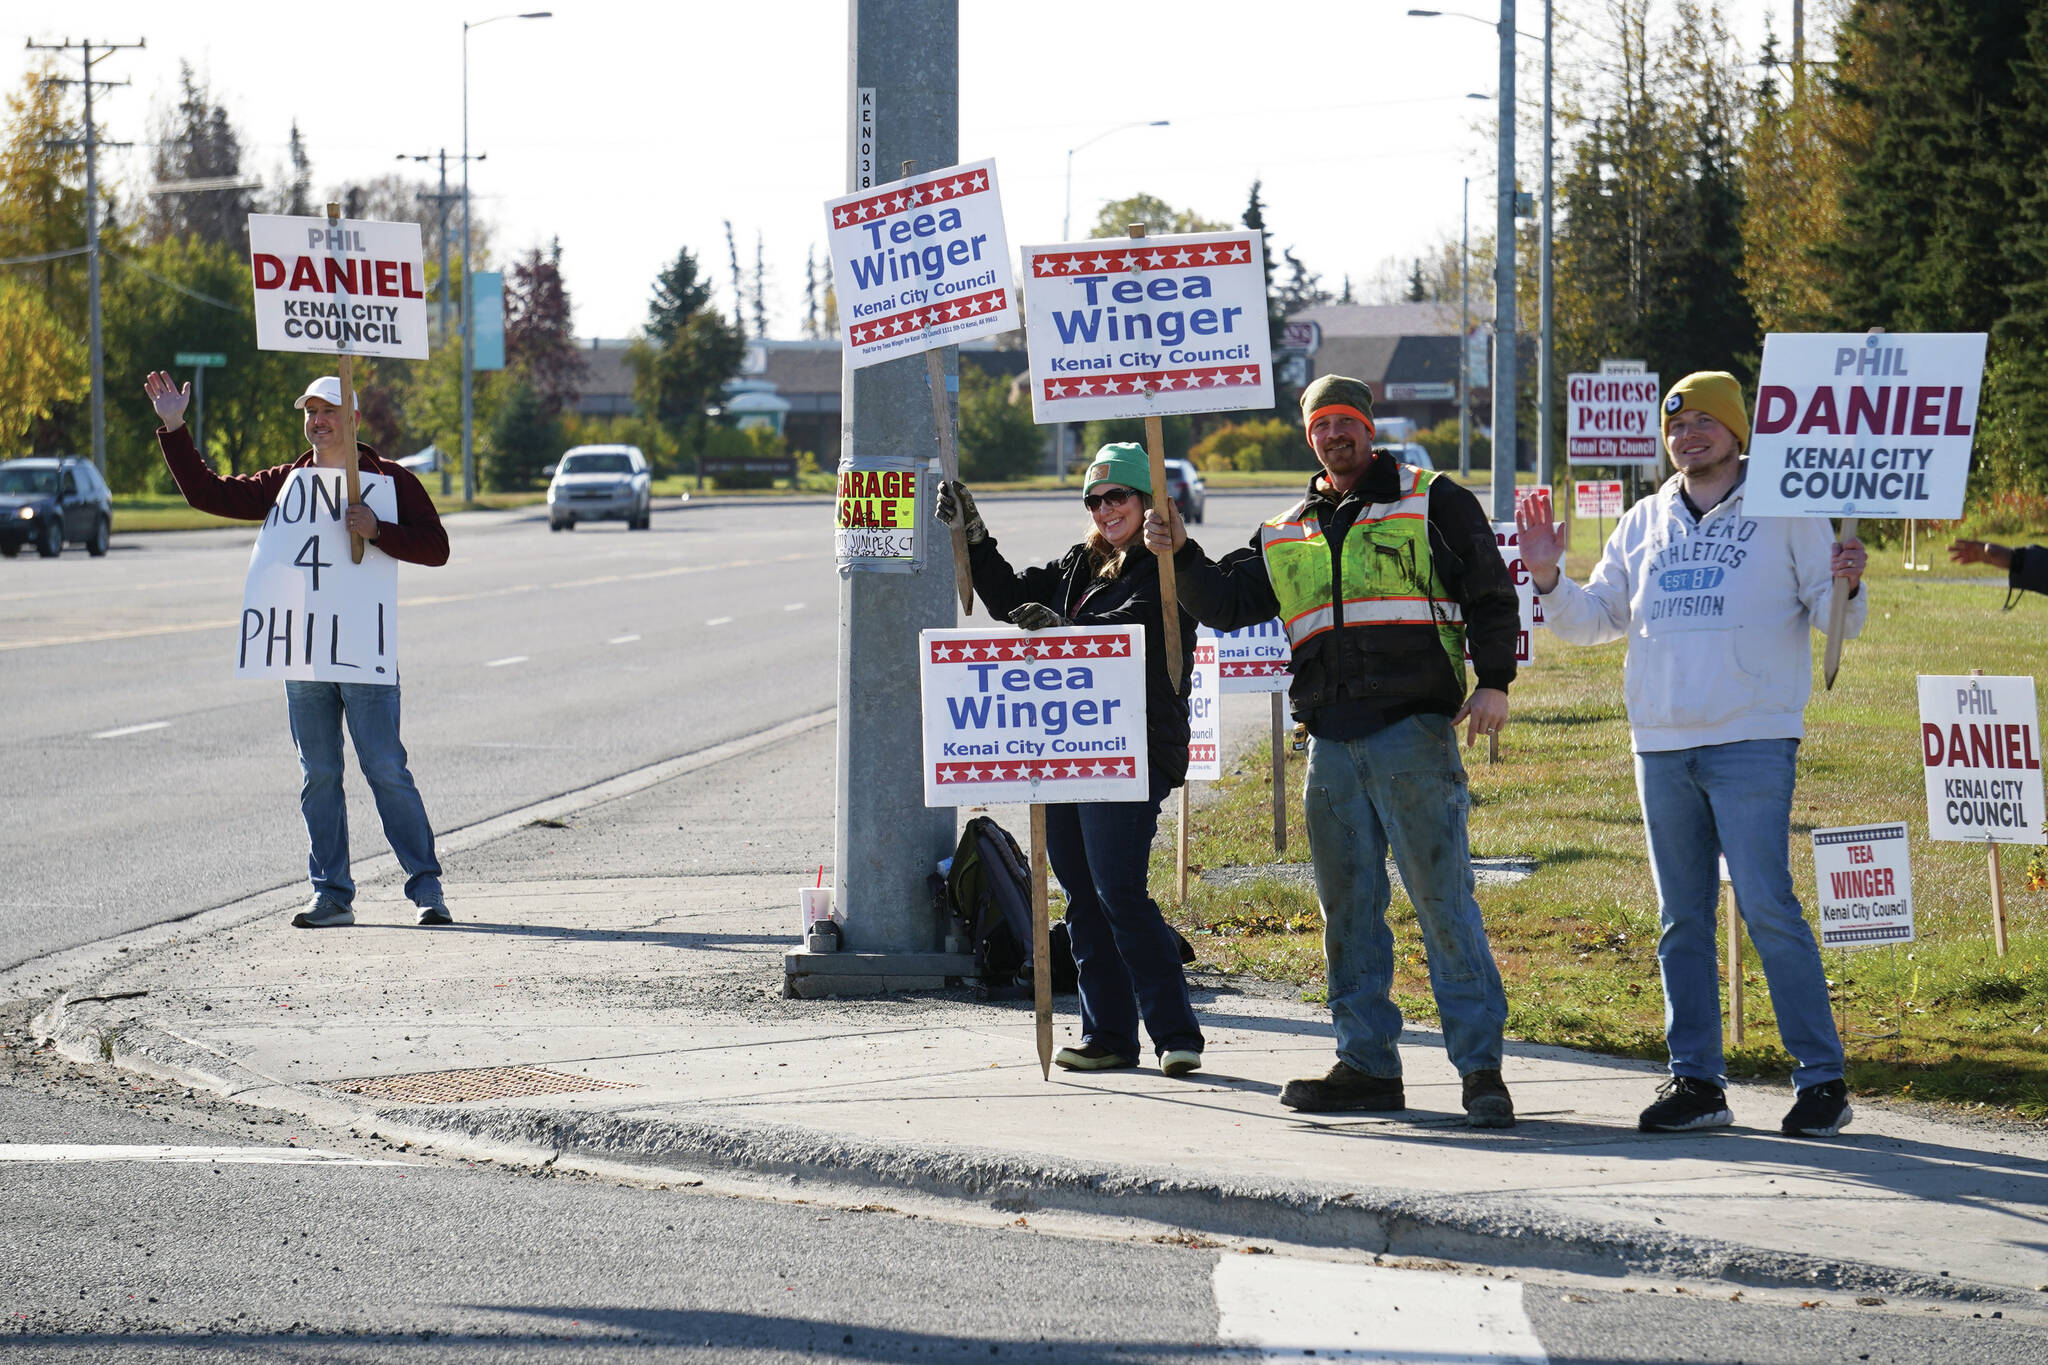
(1716, 613)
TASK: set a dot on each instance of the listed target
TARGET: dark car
(1184, 485)
(45, 501)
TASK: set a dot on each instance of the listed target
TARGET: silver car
(600, 483)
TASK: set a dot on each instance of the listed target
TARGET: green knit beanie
(1335, 391)
(1120, 462)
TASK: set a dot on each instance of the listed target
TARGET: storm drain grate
(460, 1087)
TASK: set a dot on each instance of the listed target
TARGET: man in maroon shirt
(317, 709)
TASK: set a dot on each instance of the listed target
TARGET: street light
(1059, 435)
(1504, 268)
(468, 294)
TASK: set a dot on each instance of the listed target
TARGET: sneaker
(1344, 1087)
(1180, 1062)
(435, 912)
(1487, 1103)
(1820, 1111)
(1685, 1103)
(1092, 1057)
(322, 913)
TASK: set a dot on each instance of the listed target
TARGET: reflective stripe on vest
(1389, 574)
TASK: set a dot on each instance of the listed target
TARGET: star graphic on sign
(1045, 265)
(1101, 263)
(1055, 389)
(858, 336)
(917, 196)
(942, 652)
(974, 774)
(958, 188)
(1118, 646)
(1171, 380)
(975, 305)
(979, 181)
(898, 202)
(1156, 259)
(1093, 646)
(1087, 386)
(1131, 261)
(1019, 650)
(953, 310)
(1215, 378)
(1183, 256)
(935, 317)
(1112, 385)
(841, 216)
(1067, 648)
(1073, 770)
(1252, 377)
(862, 211)
(1209, 255)
(945, 774)
(1238, 252)
(1073, 264)
(1095, 768)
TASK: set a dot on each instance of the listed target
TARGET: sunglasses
(1115, 497)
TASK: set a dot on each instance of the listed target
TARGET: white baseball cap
(327, 387)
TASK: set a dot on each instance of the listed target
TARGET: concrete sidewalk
(646, 1012)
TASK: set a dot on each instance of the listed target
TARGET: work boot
(1091, 1057)
(1344, 1087)
(1685, 1103)
(1820, 1111)
(1487, 1103)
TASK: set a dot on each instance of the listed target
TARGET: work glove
(1037, 616)
(956, 504)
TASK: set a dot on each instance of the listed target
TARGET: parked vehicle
(1408, 452)
(1184, 485)
(48, 500)
(600, 483)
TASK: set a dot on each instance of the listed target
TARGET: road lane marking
(66, 1152)
(622, 639)
(230, 623)
(719, 621)
(1288, 1309)
(792, 606)
(508, 659)
(133, 729)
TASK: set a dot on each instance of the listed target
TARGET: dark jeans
(318, 710)
(1128, 960)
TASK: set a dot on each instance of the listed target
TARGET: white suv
(600, 483)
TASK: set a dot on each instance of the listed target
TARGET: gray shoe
(323, 913)
(435, 912)
(1487, 1104)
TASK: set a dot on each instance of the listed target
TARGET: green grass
(1576, 942)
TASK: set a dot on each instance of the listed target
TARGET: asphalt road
(139, 1225)
(144, 782)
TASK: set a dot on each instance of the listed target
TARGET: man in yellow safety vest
(1382, 576)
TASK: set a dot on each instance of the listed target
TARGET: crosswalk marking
(1289, 1309)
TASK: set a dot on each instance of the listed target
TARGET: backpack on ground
(990, 887)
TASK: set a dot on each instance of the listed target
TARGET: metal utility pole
(441, 201)
(1545, 376)
(1465, 336)
(1504, 281)
(92, 143)
(1798, 50)
(905, 58)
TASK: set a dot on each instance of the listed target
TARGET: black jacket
(1352, 682)
(2029, 572)
(1129, 599)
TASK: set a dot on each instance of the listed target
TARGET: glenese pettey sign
(1980, 741)
(920, 263)
(1866, 886)
(1855, 425)
(1051, 716)
(1138, 327)
(348, 286)
(1612, 418)
(308, 614)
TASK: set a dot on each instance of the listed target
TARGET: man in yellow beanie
(1381, 576)
(1717, 607)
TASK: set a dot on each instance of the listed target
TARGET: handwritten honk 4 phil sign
(1856, 425)
(1048, 716)
(920, 263)
(1980, 742)
(351, 287)
(1140, 327)
(308, 614)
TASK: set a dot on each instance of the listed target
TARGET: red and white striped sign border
(1257, 668)
(1076, 648)
(902, 198)
(888, 325)
(1152, 381)
(1135, 260)
(1043, 770)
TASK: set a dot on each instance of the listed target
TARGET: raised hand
(1164, 531)
(1542, 540)
(1036, 616)
(956, 504)
(167, 398)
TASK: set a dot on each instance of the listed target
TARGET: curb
(1385, 1222)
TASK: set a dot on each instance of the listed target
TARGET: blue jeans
(1128, 960)
(1733, 799)
(1402, 787)
(317, 710)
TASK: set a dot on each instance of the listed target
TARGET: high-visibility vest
(1390, 578)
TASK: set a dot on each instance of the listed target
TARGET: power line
(46, 256)
(131, 263)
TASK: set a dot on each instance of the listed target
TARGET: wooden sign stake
(949, 458)
(1997, 898)
(1279, 776)
(1181, 846)
(1041, 944)
(1734, 971)
(1169, 587)
(1838, 612)
(346, 367)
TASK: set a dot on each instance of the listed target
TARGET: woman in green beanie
(1128, 959)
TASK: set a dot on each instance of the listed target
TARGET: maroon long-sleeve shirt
(416, 537)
